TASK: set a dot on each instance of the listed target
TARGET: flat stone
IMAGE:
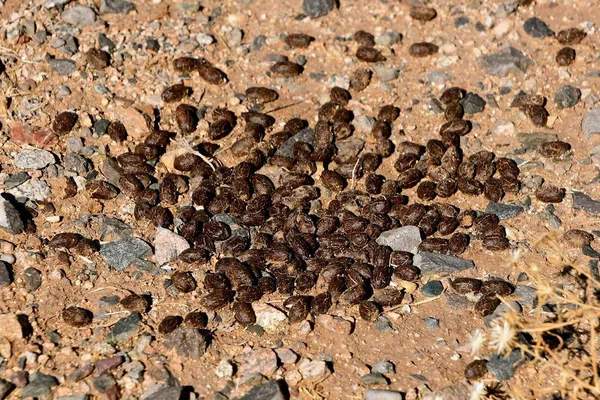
(5, 274)
(168, 245)
(116, 7)
(374, 378)
(188, 342)
(473, 103)
(34, 159)
(112, 228)
(108, 363)
(104, 383)
(385, 73)
(378, 394)
(10, 219)
(16, 179)
(507, 60)
(74, 144)
(260, 360)
(348, 150)
(166, 393)
(582, 201)
(63, 66)
(121, 253)
(335, 324)
(33, 278)
(33, 189)
(76, 163)
(405, 238)
(502, 367)
(532, 141)
(537, 28)
(306, 135)
(384, 367)
(503, 211)
(313, 370)
(125, 328)
(567, 96)
(590, 125)
(317, 8)
(33, 135)
(286, 356)
(6, 388)
(269, 390)
(39, 385)
(526, 295)
(434, 263)
(432, 289)
(112, 170)
(268, 317)
(78, 16)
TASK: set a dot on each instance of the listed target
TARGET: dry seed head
(503, 336)
(478, 391)
(476, 341)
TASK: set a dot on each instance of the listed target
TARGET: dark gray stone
(457, 301)
(502, 367)
(101, 126)
(112, 228)
(105, 43)
(188, 342)
(63, 66)
(590, 125)
(317, 8)
(270, 390)
(384, 367)
(582, 201)
(116, 7)
(16, 179)
(505, 61)
(39, 385)
(460, 21)
(33, 278)
(374, 378)
(432, 289)
(435, 263)
(382, 324)
(533, 140)
(5, 274)
(537, 28)
(108, 301)
(6, 388)
(567, 96)
(432, 323)
(473, 103)
(526, 295)
(76, 163)
(125, 328)
(259, 42)
(503, 211)
(10, 219)
(104, 382)
(166, 393)
(286, 149)
(121, 253)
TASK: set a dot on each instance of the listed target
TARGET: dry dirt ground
(425, 359)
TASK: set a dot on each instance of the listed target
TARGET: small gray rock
(188, 342)
(168, 245)
(375, 378)
(74, 144)
(505, 61)
(112, 228)
(460, 21)
(533, 140)
(473, 103)
(5, 274)
(16, 179)
(121, 253)
(502, 367)
(108, 301)
(39, 385)
(364, 123)
(33, 189)
(166, 393)
(503, 211)
(269, 390)
(457, 302)
(259, 42)
(63, 90)
(125, 328)
(432, 323)
(286, 149)
(34, 159)
(405, 238)
(384, 367)
(101, 126)
(387, 39)
(5, 388)
(382, 324)
(76, 163)
(590, 125)
(63, 66)
(10, 219)
(537, 28)
(116, 7)
(317, 8)
(55, 3)
(432, 289)
(526, 295)
(33, 278)
(434, 263)
(582, 201)
(104, 382)
(438, 77)
(386, 74)
(567, 96)
(377, 394)
(78, 16)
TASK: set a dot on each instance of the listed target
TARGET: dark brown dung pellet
(369, 54)
(422, 49)
(340, 96)
(492, 189)
(135, 302)
(578, 238)
(286, 68)
(452, 95)
(183, 281)
(435, 245)
(219, 129)
(465, 285)
(486, 305)
(333, 181)
(476, 370)
(77, 317)
(244, 313)
(360, 79)
(485, 223)
(298, 40)
(454, 112)
(495, 243)
(211, 74)
(570, 36)
(458, 127)
(458, 243)
(566, 56)
(426, 190)
(169, 324)
(186, 118)
(468, 186)
(64, 122)
(117, 131)
(496, 287)
(261, 95)
(388, 297)
(298, 308)
(538, 115)
(97, 59)
(196, 319)
(368, 310)
(66, 240)
(175, 93)
(555, 149)
(364, 38)
(320, 304)
(550, 194)
(422, 13)
(101, 190)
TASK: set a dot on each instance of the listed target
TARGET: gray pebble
(76, 163)
(502, 367)
(432, 323)
(590, 125)
(581, 201)
(5, 274)
(121, 253)
(63, 66)
(116, 7)
(259, 42)
(101, 126)
(78, 16)
(473, 103)
(16, 179)
(406, 238)
(567, 96)
(125, 328)
(270, 390)
(384, 367)
(387, 39)
(503, 211)
(74, 144)
(317, 8)
(382, 324)
(432, 289)
(507, 60)
(63, 90)
(526, 295)
(10, 219)
(434, 263)
(386, 74)
(39, 385)
(34, 159)
(375, 378)
(537, 28)
(33, 278)
(376, 394)
(460, 21)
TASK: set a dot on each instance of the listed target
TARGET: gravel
(537, 28)
(434, 263)
(374, 378)
(39, 385)
(270, 390)
(406, 238)
(116, 7)
(10, 219)
(432, 323)
(33, 278)
(125, 328)
(286, 149)
(502, 367)
(34, 159)
(79, 16)
(378, 394)
(432, 289)
(384, 367)
(582, 201)
(63, 66)
(121, 253)
(188, 342)
(317, 8)
(507, 60)
(567, 96)
(503, 211)
(382, 324)
(473, 103)
(5, 274)
(590, 125)
(168, 245)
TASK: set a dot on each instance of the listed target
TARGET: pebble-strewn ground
(170, 231)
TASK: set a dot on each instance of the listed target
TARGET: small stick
(184, 143)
